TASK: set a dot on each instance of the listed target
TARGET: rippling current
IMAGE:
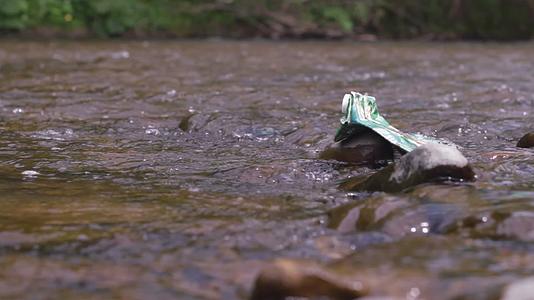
(177, 170)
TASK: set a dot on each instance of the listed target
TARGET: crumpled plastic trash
(360, 112)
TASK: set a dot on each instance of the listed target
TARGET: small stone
(520, 290)
(527, 141)
(427, 163)
(285, 278)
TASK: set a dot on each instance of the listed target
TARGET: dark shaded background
(359, 19)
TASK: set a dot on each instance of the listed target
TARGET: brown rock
(527, 141)
(365, 146)
(285, 278)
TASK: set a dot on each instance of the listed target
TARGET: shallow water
(178, 169)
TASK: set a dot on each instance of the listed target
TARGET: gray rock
(428, 163)
(527, 141)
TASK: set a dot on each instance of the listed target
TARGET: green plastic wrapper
(361, 112)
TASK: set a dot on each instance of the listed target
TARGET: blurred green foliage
(441, 19)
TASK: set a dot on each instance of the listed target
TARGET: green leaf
(339, 15)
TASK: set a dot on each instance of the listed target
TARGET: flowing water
(176, 170)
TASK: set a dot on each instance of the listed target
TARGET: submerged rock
(459, 210)
(285, 278)
(396, 216)
(527, 141)
(427, 163)
(364, 146)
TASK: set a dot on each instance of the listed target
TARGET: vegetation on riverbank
(434, 19)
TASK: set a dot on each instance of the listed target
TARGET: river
(178, 169)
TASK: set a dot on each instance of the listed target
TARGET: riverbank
(322, 19)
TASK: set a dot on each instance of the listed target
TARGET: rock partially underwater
(460, 210)
(366, 137)
(428, 163)
(287, 278)
(361, 147)
(527, 141)
(361, 110)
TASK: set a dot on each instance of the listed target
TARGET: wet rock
(520, 290)
(498, 224)
(285, 278)
(344, 218)
(368, 215)
(527, 141)
(395, 216)
(518, 225)
(364, 146)
(428, 163)
(431, 267)
(460, 210)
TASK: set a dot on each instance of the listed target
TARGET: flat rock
(286, 278)
(428, 163)
(527, 141)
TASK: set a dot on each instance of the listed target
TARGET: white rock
(520, 290)
(426, 157)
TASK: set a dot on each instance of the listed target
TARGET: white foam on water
(30, 173)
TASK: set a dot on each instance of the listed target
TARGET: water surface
(178, 169)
